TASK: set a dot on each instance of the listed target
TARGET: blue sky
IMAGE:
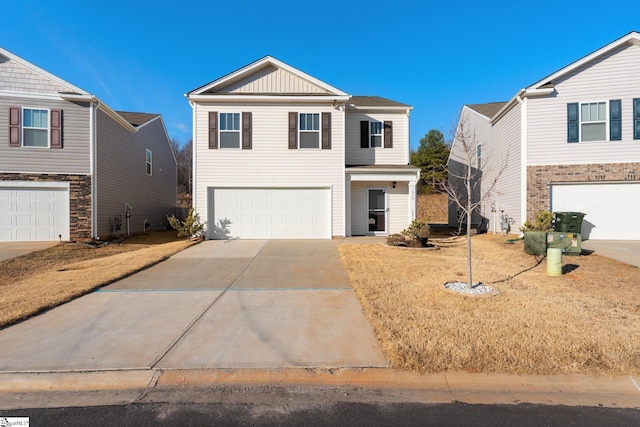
(436, 56)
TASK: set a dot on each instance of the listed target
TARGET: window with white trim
(309, 130)
(593, 121)
(375, 134)
(35, 127)
(229, 130)
(149, 162)
(479, 156)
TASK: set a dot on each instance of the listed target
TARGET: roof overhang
(383, 173)
(380, 108)
(268, 98)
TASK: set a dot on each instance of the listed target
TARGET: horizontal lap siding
(612, 77)
(270, 163)
(73, 158)
(504, 147)
(381, 156)
(122, 178)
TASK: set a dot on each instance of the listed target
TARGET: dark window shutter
(615, 120)
(246, 131)
(573, 123)
(364, 134)
(293, 131)
(56, 129)
(326, 131)
(388, 134)
(14, 127)
(636, 118)
(213, 130)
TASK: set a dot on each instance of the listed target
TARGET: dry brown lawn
(586, 321)
(433, 208)
(44, 279)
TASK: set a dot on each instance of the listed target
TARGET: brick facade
(540, 178)
(79, 199)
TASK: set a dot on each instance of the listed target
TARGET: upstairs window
(309, 130)
(593, 121)
(149, 162)
(375, 133)
(479, 156)
(35, 128)
(229, 130)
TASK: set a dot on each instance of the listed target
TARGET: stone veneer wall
(540, 178)
(79, 199)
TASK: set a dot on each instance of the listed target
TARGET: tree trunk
(469, 214)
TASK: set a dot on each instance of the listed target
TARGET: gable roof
(137, 119)
(489, 109)
(224, 85)
(34, 68)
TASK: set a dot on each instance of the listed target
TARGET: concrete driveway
(627, 251)
(219, 304)
(13, 249)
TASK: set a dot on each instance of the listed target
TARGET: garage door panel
(611, 208)
(273, 213)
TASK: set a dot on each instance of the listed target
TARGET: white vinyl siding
(611, 77)
(72, 159)
(380, 156)
(611, 208)
(270, 163)
(34, 211)
(397, 199)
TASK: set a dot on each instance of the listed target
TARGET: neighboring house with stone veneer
(281, 154)
(69, 164)
(571, 142)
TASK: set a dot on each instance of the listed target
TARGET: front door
(377, 202)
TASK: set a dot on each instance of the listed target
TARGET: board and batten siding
(397, 202)
(272, 80)
(377, 156)
(270, 163)
(613, 76)
(121, 176)
(73, 158)
(503, 148)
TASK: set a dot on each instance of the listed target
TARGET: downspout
(194, 191)
(95, 104)
(523, 157)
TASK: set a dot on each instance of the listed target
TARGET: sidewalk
(63, 389)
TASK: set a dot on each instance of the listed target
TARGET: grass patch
(586, 321)
(45, 279)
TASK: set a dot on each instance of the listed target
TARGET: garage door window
(35, 127)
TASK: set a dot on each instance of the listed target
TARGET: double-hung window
(35, 127)
(479, 156)
(593, 121)
(375, 134)
(309, 130)
(229, 130)
(149, 162)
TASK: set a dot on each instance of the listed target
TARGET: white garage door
(31, 213)
(272, 213)
(613, 210)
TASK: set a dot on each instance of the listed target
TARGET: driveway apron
(219, 304)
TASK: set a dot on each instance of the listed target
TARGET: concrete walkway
(10, 250)
(219, 304)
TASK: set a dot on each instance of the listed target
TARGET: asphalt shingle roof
(489, 109)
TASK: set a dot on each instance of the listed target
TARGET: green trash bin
(569, 222)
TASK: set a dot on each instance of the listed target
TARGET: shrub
(396, 240)
(190, 228)
(543, 222)
(417, 229)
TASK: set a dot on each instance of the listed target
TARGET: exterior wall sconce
(394, 184)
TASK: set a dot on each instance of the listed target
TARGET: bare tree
(183, 153)
(466, 186)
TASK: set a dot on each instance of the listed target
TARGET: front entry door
(377, 210)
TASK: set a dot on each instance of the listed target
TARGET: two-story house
(71, 168)
(281, 154)
(570, 142)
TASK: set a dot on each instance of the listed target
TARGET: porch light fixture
(394, 184)
(335, 103)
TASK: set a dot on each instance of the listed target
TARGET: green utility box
(537, 242)
(569, 222)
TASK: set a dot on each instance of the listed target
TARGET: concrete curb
(51, 389)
